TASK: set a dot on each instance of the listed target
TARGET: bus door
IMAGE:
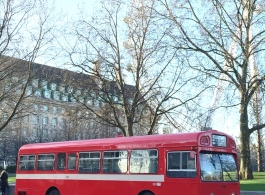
(219, 174)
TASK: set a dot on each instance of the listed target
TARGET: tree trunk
(245, 165)
(260, 144)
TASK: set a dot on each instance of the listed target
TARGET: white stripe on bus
(103, 177)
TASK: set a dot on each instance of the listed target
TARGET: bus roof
(147, 141)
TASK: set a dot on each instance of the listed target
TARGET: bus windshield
(218, 167)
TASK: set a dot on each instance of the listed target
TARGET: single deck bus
(196, 163)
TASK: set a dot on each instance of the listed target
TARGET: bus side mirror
(192, 154)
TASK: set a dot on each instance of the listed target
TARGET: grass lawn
(256, 184)
(11, 179)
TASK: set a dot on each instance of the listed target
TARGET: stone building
(52, 108)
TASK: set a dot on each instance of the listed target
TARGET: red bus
(196, 163)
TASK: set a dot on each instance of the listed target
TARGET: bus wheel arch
(146, 192)
(52, 191)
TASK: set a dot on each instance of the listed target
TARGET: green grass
(256, 184)
(11, 179)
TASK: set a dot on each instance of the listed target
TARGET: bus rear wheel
(54, 192)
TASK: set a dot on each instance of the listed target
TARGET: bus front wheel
(54, 192)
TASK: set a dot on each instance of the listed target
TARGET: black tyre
(54, 192)
(148, 193)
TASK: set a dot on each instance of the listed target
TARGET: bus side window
(45, 162)
(115, 161)
(89, 162)
(61, 159)
(27, 162)
(180, 165)
(71, 161)
(144, 161)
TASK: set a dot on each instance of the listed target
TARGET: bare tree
(137, 79)
(206, 31)
(25, 33)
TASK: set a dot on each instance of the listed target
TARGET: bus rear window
(27, 162)
(180, 164)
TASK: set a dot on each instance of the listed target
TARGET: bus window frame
(114, 158)
(180, 172)
(57, 160)
(150, 157)
(67, 163)
(45, 160)
(99, 162)
(34, 162)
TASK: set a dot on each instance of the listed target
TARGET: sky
(221, 121)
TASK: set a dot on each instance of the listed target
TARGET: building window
(45, 120)
(54, 122)
(36, 107)
(53, 86)
(63, 123)
(47, 93)
(35, 83)
(25, 105)
(25, 132)
(26, 119)
(37, 93)
(54, 110)
(35, 119)
(89, 101)
(34, 133)
(29, 90)
(62, 111)
(96, 103)
(44, 108)
(62, 88)
(56, 95)
(70, 89)
(64, 97)
(43, 84)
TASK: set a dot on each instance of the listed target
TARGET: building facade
(54, 108)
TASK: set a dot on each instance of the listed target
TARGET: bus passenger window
(180, 164)
(72, 161)
(144, 161)
(27, 162)
(61, 158)
(45, 162)
(115, 161)
(89, 162)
